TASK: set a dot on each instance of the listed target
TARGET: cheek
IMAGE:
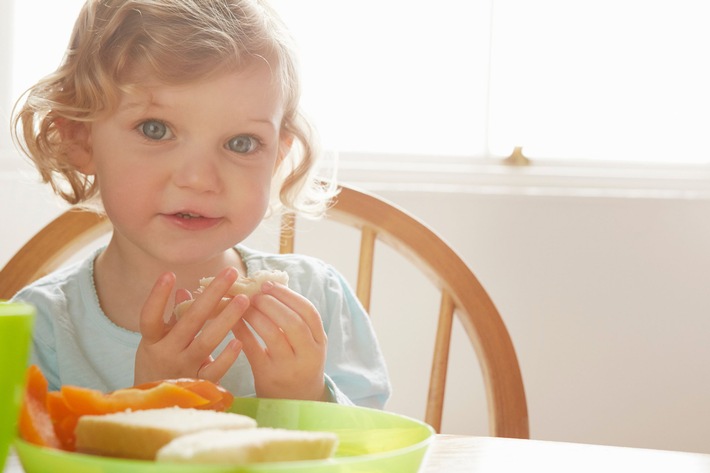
(259, 194)
(122, 190)
(263, 196)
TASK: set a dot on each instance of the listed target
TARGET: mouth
(187, 215)
(189, 220)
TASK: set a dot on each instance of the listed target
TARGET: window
(464, 82)
(395, 76)
(620, 80)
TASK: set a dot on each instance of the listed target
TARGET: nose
(197, 171)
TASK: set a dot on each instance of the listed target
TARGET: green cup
(16, 320)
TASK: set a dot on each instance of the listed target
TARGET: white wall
(606, 300)
(607, 303)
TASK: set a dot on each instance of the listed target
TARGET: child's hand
(183, 348)
(291, 362)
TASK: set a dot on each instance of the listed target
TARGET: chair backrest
(376, 219)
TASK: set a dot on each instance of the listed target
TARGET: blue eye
(154, 130)
(242, 144)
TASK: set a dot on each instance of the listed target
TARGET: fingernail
(267, 286)
(230, 272)
(242, 300)
(166, 279)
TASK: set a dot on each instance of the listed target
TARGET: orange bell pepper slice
(219, 398)
(84, 401)
(63, 419)
(35, 424)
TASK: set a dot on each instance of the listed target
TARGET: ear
(76, 137)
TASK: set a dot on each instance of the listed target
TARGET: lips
(189, 220)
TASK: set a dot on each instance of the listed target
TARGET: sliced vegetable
(219, 398)
(35, 424)
(89, 401)
(63, 419)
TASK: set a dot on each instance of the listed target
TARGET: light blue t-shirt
(75, 343)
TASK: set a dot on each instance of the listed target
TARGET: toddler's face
(185, 171)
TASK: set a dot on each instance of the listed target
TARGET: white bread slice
(239, 447)
(140, 434)
(248, 286)
(251, 285)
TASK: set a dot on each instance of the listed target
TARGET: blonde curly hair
(177, 41)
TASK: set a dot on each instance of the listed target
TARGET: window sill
(540, 178)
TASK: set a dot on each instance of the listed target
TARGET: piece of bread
(248, 286)
(240, 447)
(140, 434)
(251, 285)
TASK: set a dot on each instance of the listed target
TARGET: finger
(205, 363)
(230, 311)
(252, 347)
(204, 307)
(298, 305)
(182, 295)
(277, 344)
(264, 324)
(215, 370)
(152, 326)
(300, 325)
(216, 330)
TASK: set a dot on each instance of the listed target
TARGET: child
(180, 119)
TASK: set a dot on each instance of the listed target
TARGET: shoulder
(55, 284)
(57, 292)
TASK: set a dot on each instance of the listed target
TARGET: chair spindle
(364, 271)
(440, 362)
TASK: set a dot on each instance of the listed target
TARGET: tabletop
(454, 454)
(458, 454)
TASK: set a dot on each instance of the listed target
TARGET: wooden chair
(461, 293)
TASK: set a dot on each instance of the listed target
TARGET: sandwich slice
(239, 447)
(140, 434)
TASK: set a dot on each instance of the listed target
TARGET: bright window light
(395, 76)
(608, 80)
(602, 80)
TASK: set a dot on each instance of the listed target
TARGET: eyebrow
(142, 103)
(137, 104)
(130, 106)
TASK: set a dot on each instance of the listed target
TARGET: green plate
(370, 441)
